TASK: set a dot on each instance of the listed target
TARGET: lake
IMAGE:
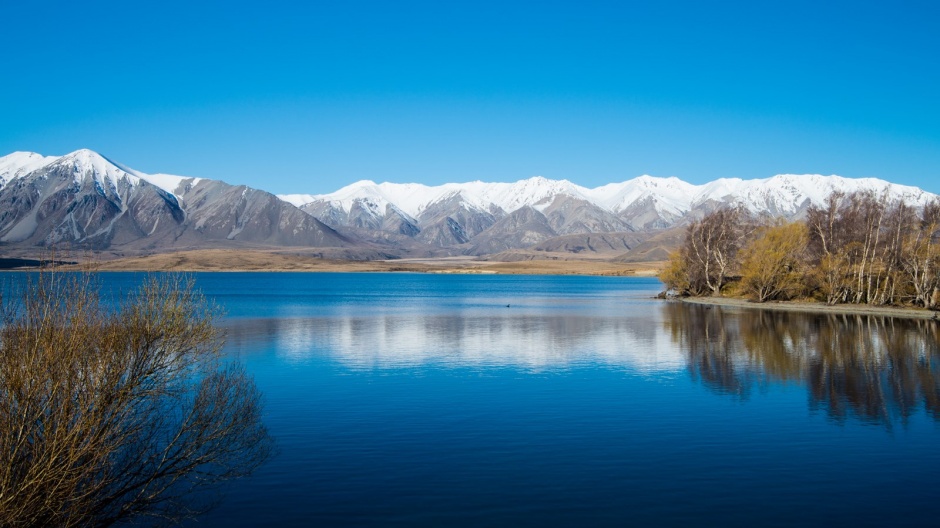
(464, 400)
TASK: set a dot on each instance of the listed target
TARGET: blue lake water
(456, 400)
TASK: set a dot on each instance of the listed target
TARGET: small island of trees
(858, 248)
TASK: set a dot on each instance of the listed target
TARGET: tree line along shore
(858, 249)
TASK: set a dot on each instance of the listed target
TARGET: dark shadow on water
(17, 263)
(876, 369)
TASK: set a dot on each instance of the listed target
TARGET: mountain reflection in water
(877, 369)
(526, 342)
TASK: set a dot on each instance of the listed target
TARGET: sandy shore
(808, 307)
(242, 260)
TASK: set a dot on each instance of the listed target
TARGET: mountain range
(84, 200)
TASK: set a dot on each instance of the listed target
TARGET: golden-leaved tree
(773, 262)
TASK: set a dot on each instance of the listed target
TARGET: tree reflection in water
(877, 369)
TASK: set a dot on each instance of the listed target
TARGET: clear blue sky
(311, 96)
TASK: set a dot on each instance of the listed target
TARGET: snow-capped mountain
(86, 199)
(638, 204)
(83, 199)
(414, 198)
(20, 163)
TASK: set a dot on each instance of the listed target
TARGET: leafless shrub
(110, 414)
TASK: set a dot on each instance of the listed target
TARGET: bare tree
(857, 244)
(920, 258)
(711, 246)
(109, 414)
(827, 247)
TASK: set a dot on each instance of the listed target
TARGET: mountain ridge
(86, 199)
(676, 195)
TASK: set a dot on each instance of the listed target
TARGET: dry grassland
(257, 260)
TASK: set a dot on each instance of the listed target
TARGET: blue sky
(308, 98)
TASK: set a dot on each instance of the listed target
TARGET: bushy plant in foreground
(116, 413)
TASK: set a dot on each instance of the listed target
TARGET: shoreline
(816, 308)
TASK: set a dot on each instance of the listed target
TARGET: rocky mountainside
(85, 200)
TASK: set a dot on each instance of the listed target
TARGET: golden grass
(261, 260)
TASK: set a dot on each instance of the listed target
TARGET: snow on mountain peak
(787, 194)
(168, 182)
(297, 200)
(18, 164)
(364, 191)
(670, 195)
(784, 194)
(535, 191)
(82, 162)
(414, 198)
